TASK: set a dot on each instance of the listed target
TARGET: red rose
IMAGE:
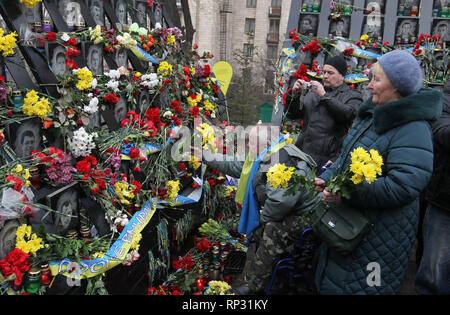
(73, 52)
(111, 98)
(83, 166)
(134, 153)
(71, 64)
(137, 186)
(51, 36)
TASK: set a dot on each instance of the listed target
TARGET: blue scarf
(250, 209)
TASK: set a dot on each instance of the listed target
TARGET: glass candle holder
(47, 26)
(414, 11)
(401, 10)
(32, 281)
(316, 7)
(37, 27)
(46, 274)
(17, 101)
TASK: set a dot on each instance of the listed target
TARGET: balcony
(275, 12)
(273, 38)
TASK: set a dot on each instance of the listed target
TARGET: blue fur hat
(403, 70)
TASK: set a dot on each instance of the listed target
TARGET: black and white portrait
(94, 121)
(141, 14)
(406, 29)
(120, 110)
(58, 59)
(157, 15)
(94, 58)
(70, 11)
(373, 26)
(442, 28)
(25, 136)
(375, 6)
(121, 57)
(32, 14)
(8, 237)
(143, 101)
(65, 203)
(120, 8)
(340, 28)
(97, 11)
(439, 62)
(308, 24)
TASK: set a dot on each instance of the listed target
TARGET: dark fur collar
(424, 105)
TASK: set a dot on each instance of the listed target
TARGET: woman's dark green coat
(401, 133)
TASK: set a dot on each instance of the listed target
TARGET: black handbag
(341, 227)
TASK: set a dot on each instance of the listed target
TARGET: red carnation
(111, 98)
(134, 153)
(51, 36)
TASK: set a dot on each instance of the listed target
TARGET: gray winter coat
(326, 121)
(274, 204)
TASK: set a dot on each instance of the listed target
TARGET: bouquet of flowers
(364, 167)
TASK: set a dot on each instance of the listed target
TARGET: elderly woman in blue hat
(395, 122)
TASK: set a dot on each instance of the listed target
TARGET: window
(274, 26)
(276, 3)
(248, 50)
(272, 52)
(251, 3)
(250, 26)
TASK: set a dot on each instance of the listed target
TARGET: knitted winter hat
(339, 63)
(403, 70)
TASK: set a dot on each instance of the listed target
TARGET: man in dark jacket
(327, 111)
(433, 276)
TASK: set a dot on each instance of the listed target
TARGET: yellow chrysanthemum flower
(30, 3)
(26, 241)
(170, 40)
(173, 187)
(279, 175)
(164, 68)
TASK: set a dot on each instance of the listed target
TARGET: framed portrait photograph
(143, 101)
(97, 11)
(308, 24)
(95, 122)
(25, 136)
(65, 203)
(113, 117)
(120, 9)
(406, 30)
(121, 57)
(442, 28)
(157, 15)
(94, 57)
(8, 237)
(373, 26)
(57, 57)
(33, 14)
(340, 28)
(141, 13)
(375, 6)
(71, 12)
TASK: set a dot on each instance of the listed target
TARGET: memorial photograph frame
(373, 26)
(141, 13)
(403, 31)
(121, 7)
(97, 11)
(25, 136)
(121, 57)
(70, 12)
(56, 54)
(34, 14)
(436, 29)
(94, 54)
(340, 27)
(308, 24)
(59, 201)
